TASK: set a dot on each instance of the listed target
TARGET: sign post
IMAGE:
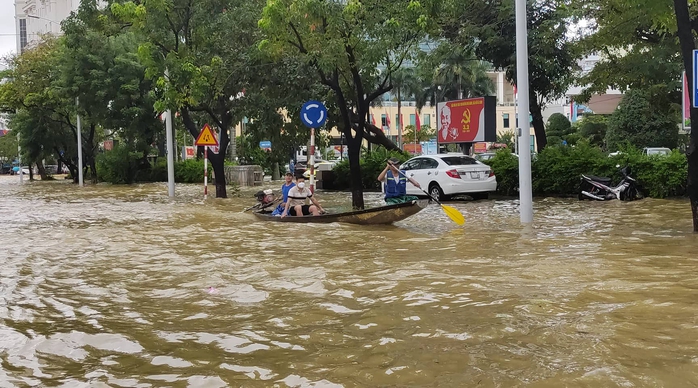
(313, 115)
(206, 138)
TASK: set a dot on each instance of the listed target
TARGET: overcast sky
(7, 27)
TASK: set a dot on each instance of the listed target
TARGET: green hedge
(121, 166)
(556, 170)
(371, 166)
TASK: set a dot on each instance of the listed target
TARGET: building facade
(34, 18)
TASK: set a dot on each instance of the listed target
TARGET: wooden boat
(373, 216)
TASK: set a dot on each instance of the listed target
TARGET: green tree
(557, 128)
(44, 119)
(593, 128)
(99, 65)
(355, 48)
(453, 72)
(643, 119)
(625, 34)
(8, 147)
(489, 26)
(207, 48)
(507, 137)
(425, 133)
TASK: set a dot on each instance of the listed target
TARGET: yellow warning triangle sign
(206, 137)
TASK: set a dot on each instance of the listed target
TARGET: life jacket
(395, 186)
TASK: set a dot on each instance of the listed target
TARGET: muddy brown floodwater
(120, 286)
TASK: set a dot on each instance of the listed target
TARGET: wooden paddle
(450, 211)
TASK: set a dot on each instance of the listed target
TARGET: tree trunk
(683, 22)
(42, 170)
(538, 125)
(357, 192)
(31, 172)
(399, 124)
(218, 164)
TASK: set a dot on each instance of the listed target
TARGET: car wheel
(436, 192)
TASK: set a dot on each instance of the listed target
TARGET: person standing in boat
(285, 188)
(395, 183)
(296, 204)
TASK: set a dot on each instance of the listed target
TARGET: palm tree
(404, 81)
(455, 73)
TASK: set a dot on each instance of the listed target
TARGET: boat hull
(373, 216)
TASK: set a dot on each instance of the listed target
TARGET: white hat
(268, 191)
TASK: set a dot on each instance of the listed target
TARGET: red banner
(413, 148)
(462, 121)
(480, 148)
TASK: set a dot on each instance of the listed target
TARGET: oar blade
(454, 214)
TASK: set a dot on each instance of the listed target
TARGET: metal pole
(517, 132)
(205, 172)
(170, 155)
(19, 161)
(311, 160)
(81, 182)
(525, 184)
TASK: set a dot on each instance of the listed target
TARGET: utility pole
(81, 181)
(525, 184)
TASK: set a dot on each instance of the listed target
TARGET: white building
(598, 104)
(34, 18)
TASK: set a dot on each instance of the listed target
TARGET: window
(506, 120)
(384, 120)
(458, 160)
(397, 121)
(429, 163)
(413, 119)
(411, 165)
(427, 120)
(533, 143)
(22, 33)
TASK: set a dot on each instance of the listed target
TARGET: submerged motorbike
(600, 189)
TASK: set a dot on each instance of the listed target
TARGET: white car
(444, 175)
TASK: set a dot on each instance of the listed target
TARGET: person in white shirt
(297, 204)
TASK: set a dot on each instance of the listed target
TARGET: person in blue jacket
(285, 188)
(395, 183)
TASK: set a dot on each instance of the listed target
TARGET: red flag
(419, 124)
(387, 119)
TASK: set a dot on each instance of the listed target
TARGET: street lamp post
(170, 151)
(19, 161)
(43, 18)
(525, 184)
(81, 182)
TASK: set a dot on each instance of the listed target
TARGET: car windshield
(458, 160)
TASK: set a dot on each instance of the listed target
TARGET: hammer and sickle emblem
(466, 120)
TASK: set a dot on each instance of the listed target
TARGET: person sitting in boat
(265, 199)
(395, 183)
(297, 197)
(285, 188)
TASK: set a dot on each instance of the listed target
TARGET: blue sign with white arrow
(313, 114)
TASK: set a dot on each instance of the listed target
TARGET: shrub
(556, 170)
(191, 171)
(506, 168)
(119, 165)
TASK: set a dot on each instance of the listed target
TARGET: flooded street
(123, 287)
